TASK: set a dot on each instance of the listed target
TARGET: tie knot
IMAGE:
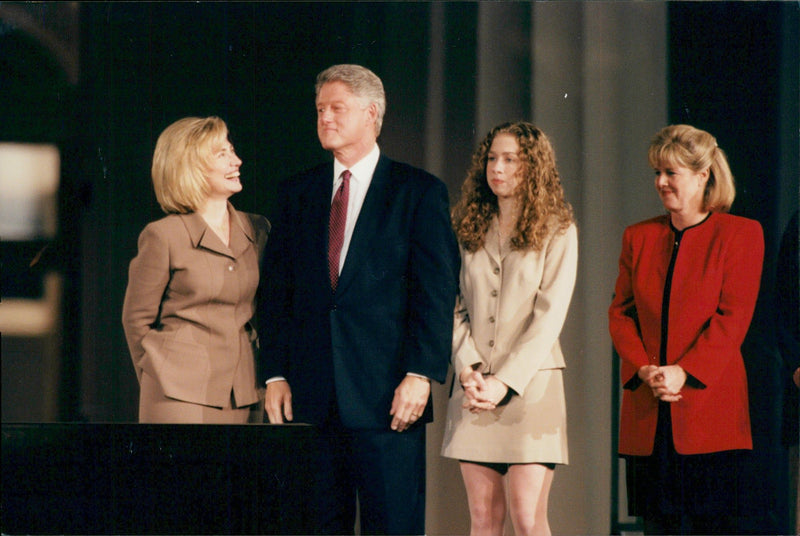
(346, 174)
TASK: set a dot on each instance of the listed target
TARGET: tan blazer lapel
(491, 243)
(242, 233)
(202, 236)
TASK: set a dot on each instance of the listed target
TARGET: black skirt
(667, 483)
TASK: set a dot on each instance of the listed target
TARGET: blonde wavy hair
(697, 150)
(181, 160)
(544, 209)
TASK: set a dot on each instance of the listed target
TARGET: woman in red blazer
(685, 295)
(191, 287)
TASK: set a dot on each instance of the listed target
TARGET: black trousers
(684, 494)
(381, 469)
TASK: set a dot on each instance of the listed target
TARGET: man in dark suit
(359, 286)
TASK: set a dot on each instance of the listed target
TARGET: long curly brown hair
(543, 207)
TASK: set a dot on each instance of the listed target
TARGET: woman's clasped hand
(665, 382)
(481, 392)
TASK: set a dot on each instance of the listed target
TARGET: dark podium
(155, 479)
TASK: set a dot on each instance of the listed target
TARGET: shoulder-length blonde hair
(697, 150)
(181, 161)
(544, 208)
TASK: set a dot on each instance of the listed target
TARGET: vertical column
(599, 91)
(434, 117)
(503, 64)
(446, 510)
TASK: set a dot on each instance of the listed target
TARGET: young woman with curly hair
(506, 418)
(536, 209)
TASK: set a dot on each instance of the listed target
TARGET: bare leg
(486, 497)
(529, 488)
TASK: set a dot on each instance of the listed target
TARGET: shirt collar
(361, 170)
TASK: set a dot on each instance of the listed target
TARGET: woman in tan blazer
(507, 412)
(191, 287)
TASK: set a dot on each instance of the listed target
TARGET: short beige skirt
(531, 428)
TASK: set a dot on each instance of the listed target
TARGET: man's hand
(278, 402)
(410, 399)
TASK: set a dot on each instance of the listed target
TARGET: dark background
(727, 68)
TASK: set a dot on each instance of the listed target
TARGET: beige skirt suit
(508, 319)
(187, 318)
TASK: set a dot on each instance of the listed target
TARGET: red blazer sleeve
(623, 319)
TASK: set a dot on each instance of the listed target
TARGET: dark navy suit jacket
(392, 312)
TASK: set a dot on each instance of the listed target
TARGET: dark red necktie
(336, 227)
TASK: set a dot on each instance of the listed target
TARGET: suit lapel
(242, 233)
(201, 236)
(369, 221)
(492, 242)
(318, 201)
(315, 213)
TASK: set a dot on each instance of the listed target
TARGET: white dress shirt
(360, 179)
